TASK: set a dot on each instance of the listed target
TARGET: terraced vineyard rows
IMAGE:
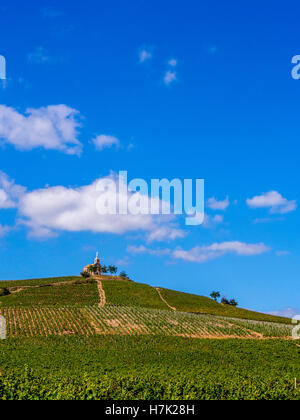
(120, 320)
(136, 321)
(102, 306)
(30, 322)
(268, 329)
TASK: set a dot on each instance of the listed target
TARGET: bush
(231, 302)
(225, 301)
(4, 291)
(85, 274)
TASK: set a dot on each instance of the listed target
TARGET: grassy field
(124, 367)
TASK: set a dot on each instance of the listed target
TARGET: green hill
(76, 291)
(186, 302)
(108, 338)
(111, 305)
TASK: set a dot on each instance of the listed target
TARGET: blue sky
(174, 90)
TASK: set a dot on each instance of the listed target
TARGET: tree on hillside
(93, 269)
(231, 302)
(112, 269)
(85, 274)
(215, 295)
(123, 275)
(104, 269)
(225, 301)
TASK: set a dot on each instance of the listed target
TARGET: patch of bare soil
(112, 322)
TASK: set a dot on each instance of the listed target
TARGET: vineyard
(147, 367)
(107, 338)
(64, 291)
(31, 322)
(120, 320)
(102, 306)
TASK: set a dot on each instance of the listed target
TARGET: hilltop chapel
(97, 265)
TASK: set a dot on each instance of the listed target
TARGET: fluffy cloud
(9, 192)
(144, 55)
(216, 250)
(204, 253)
(170, 77)
(92, 208)
(172, 62)
(53, 128)
(215, 204)
(261, 220)
(165, 233)
(103, 141)
(211, 222)
(4, 230)
(287, 312)
(274, 201)
(282, 253)
(135, 250)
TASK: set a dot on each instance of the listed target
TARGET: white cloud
(123, 261)
(170, 77)
(216, 250)
(165, 233)
(50, 210)
(215, 204)
(39, 56)
(172, 62)
(9, 192)
(141, 249)
(211, 222)
(282, 253)
(261, 220)
(103, 141)
(287, 312)
(144, 55)
(53, 128)
(274, 201)
(3, 230)
(204, 253)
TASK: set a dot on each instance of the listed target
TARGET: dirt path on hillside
(164, 300)
(101, 294)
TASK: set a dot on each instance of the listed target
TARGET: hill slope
(70, 338)
(111, 306)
